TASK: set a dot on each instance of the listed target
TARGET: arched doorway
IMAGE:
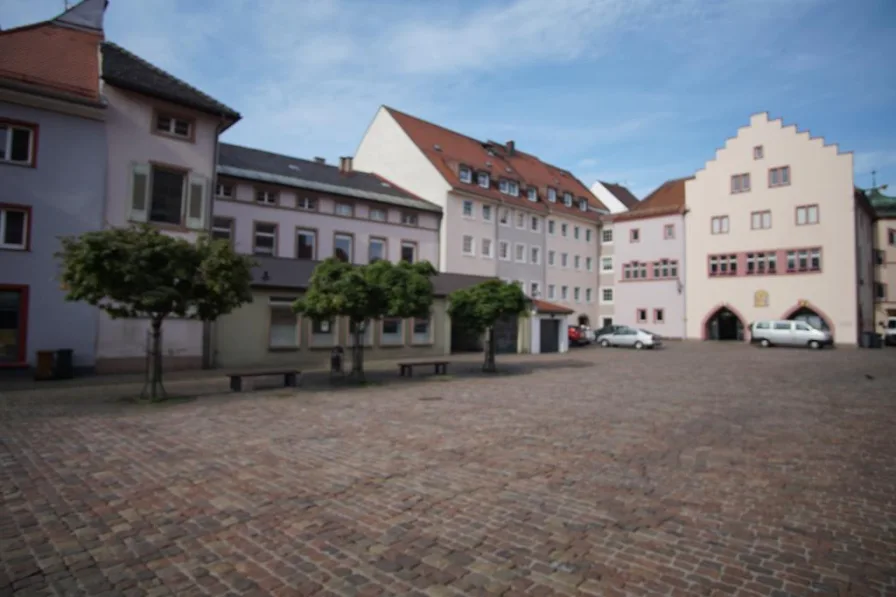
(584, 320)
(810, 316)
(724, 324)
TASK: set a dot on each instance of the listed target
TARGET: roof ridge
(167, 74)
(283, 155)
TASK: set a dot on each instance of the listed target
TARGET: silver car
(789, 333)
(631, 337)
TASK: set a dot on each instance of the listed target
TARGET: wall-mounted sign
(804, 303)
(760, 298)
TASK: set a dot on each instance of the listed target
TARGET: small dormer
(483, 180)
(509, 187)
(552, 194)
(532, 194)
(466, 174)
(567, 199)
(583, 204)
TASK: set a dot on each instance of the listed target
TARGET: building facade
(775, 231)
(617, 198)
(884, 261)
(606, 277)
(52, 168)
(649, 252)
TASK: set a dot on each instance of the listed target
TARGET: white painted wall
(607, 198)
(562, 333)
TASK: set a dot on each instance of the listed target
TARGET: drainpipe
(682, 272)
(208, 357)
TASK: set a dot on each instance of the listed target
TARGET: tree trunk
(156, 389)
(489, 365)
(358, 352)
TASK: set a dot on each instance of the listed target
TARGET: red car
(577, 336)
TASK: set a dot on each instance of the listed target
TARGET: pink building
(649, 263)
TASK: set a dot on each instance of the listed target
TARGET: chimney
(345, 164)
(320, 160)
(511, 147)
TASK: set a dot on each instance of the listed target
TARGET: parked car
(607, 329)
(788, 333)
(633, 337)
(577, 336)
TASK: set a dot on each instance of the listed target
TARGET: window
(392, 330)
(564, 259)
(606, 295)
(483, 180)
(306, 203)
(487, 248)
(408, 251)
(551, 257)
(14, 227)
(815, 260)
(174, 196)
(535, 255)
(466, 175)
(504, 216)
(265, 197)
(222, 229)
(583, 204)
(576, 232)
(781, 325)
(779, 177)
(535, 223)
(567, 199)
(551, 226)
(13, 324)
(589, 265)
(564, 293)
(343, 247)
(323, 333)
(880, 292)
(588, 235)
(577, 262)
(606, 236)
(409, 219)
(761, 220)
(532, 194)
(224, 190)
(669, 231)
(306, 244)
(606, 264)
(659, 316)
(376, 249)
(17, 144)
(377, 215)
(665, 269)
(634, 235)
(174, 126)
(879, 257)
(552, 195)
(421, 331)
(520, 252)
(563, 229)
(520, 220)
(806, 214)
(265, 242)
(534, 289)
(467, 209)
(588, 296)
(486, 213)
(283, 332)
(757, 152)
(344, 209)
(641, 315)
(723, 265)
(504, 250)
(509, 187)
(720, 225)
(576, 294)
(468, 246)
(740, 183)
(551, 291)
(891, 237)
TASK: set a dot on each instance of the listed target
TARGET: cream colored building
(884, 262)
(775, 230)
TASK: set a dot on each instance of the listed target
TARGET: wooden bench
(289, 377)
(438, 366)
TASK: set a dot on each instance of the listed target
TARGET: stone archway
(724, 323)
(809, 313)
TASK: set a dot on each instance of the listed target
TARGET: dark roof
(546, 307)
(668, 198)
(255, 164)
(295, 274)
(883, 206)
(623, 194)
(128, 71)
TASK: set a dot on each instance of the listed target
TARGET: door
(506, 335)
(13, 322)
(550, 335)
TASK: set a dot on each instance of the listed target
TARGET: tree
(480, 307)
(139, 272)
(362, 293)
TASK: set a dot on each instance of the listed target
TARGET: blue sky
(630, 91)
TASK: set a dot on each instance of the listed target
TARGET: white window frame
(567, 199)
(463, 209)
(520, 220)
(341, 207)
(25, 222)
(564, 260)
(466, 174)
(535, 255)
(416, 338)
(306, 203)
(7, 149)
(272, 235)
(407, 244)
(503, 244)
(577, 261)
(516, 252)
(583, 204)
(589, 295)
(534, 289)
(463, 245)
(564, 229)
(532, 194)
(194, 198)
(552, 227)
(265, 197)
(283, 304)
(381, 240)
(313, 235)
(409, 219)
(483, 179)
(171, 129)
(564, 293)
(486, 253)
(487, 213)
(537, 221)
(552, 194)
(378, 210)
(503, 211)
(603, 234)
(351, 238)
(603, 294)
(577, 294)
(589, 264)
(231, 225)
(221, 186)
(552, 291)
(394, 339)
(552, 257)
(604, 270)
(587, 235)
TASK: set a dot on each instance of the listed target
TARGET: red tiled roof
(546, 307)
(667, 199)
(623, 194)
(53, 57)
(448, 150)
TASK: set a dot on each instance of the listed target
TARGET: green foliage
(137, 271)
(478, 308)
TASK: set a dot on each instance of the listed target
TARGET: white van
(784, 332)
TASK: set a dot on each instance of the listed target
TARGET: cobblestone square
(699, 469)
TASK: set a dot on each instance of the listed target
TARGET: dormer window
(583, 204)
(466, 175)
(532, 194)
(552, 195)
(482, 179)
(174, 126)
(567, 199)
(509, 187)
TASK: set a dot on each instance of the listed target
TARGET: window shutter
(139, 193)
(195, 202)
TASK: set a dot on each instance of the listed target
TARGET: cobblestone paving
(697, 470)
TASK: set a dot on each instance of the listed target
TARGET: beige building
(606, 267)
(884, 262)
(775, 230)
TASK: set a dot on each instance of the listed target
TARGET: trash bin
(865, 339)
(44, 368)
(877, 341)
(64, 368)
